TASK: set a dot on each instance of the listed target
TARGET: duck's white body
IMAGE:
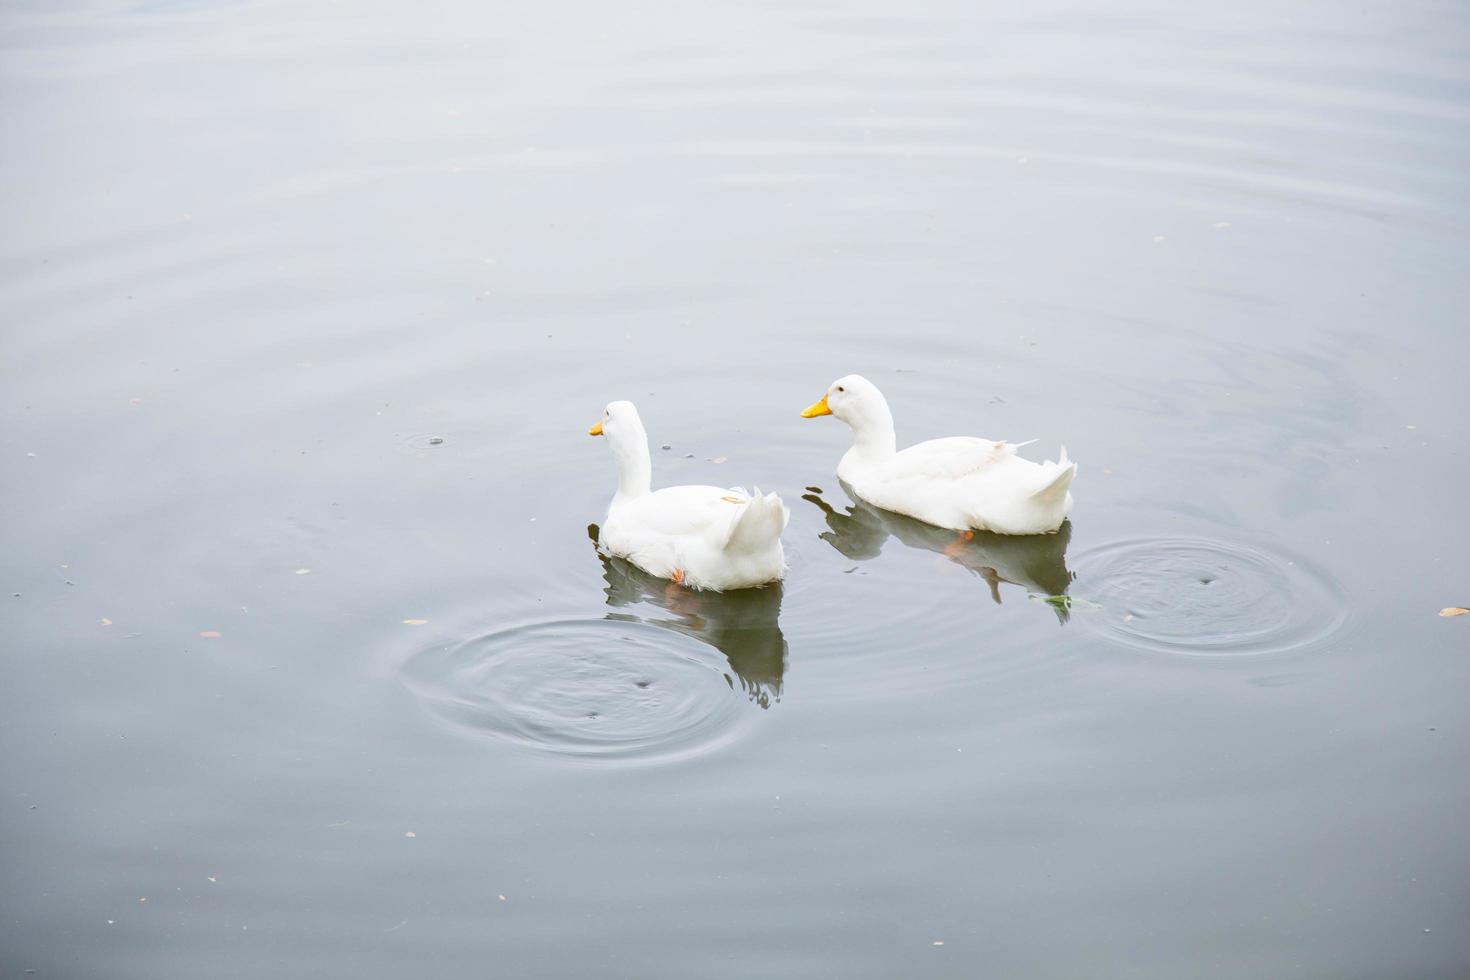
(960, 483)
(701, 537)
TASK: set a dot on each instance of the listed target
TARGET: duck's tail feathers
(759, 525)
(1055, 490)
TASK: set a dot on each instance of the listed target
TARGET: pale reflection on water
(1037, 563)
(744, 625)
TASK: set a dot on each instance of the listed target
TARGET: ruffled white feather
(704, 537)
(960, 482)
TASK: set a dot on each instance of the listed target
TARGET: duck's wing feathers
(689, 510)
(949, 459)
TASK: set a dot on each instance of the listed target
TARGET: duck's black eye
(840, 388)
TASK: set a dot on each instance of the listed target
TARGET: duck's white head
(853, 399)
(629, 444)
(858, 402)
(620, 423)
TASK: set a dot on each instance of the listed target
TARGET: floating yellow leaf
(1454, 611)
(210, 634)
(414, 622)
(105, 621)
(718, 459)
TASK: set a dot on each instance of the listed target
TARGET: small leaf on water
(105, 621)
(1454, 611)
(212, 878)
(303, 571)
(409, 833)
(1064, 601)
(210, 634)
(718, 459)
(414, 622)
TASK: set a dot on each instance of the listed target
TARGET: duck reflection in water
(744, 625)
(1035, 562)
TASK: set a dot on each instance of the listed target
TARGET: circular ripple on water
(419, 443)
(605, 689)
(1208, 598)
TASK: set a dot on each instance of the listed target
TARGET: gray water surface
(312, 670)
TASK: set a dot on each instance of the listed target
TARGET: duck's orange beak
(596, 429)
(816, 408)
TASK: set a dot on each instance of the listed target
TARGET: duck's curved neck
(635, 468)
(873, 435)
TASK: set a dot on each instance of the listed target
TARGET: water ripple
(605, 689)
(1207, 598)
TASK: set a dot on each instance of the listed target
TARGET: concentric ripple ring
(1206, 598)
(599, 689)
(418, 443)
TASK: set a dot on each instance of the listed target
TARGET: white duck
(700, 537)
(959, 483)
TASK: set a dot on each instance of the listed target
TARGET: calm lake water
(311, 668)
